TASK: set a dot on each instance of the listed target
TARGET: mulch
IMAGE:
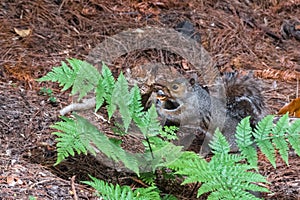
(257, 36)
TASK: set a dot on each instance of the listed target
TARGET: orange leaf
(293, 108)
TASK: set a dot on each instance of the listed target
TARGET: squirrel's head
(179, 87)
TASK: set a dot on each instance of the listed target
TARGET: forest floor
(258, 36)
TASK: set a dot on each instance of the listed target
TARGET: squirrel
(191, 105)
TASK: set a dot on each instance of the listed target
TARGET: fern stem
(194, 189)
(150, 148)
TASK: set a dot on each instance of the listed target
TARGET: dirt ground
(258, 36)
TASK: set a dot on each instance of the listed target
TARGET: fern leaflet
(221, 145)
(243, 138)
(294, 136)
(262, 138)
(68, 139)
(150, 125)
(79, 133)
(136, 107)
(116, 192)
(121, 98)
(87, 77)
(64, 75)
(279, 137)
(83, 77)
(108, 84)
(224, 176)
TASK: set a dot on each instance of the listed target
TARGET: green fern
(263, 139)
(68, 140)
(162, 157)
(150, 125)
(87, 78)
(169, 133)
(107, 84)
(82, 77)
(149, 178)
(245, 142)
(294, 136)
(224, 177)
(135, 106)
(268, 135)
(157, 141)
(121, 99)
(221, 145)
(278, 137)
(79, 133)
(116, 192)
(64, 75)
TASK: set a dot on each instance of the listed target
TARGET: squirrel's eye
(174, 87)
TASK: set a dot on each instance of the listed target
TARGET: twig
(61, 5)
(297, 89)
(73, 187)
(40, 182)
(85, 105)
(4, 123)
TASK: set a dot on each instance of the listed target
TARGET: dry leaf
(185, 65)
(22, 32)
(283, 75)
(12, 181)
(293, 108)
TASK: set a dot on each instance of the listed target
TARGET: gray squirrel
(191, 105)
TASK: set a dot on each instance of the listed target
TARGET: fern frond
(195, 169)
(150, 125)
(243, 139)
(278, 137)
(87, 77)
(64, 75)
(82, 76)
(229, 159)
(225, 177)
(294, 136)
(147, 193)
(79, 133)
(116, 192)
(227, 194)
(108, 84)
(165, 155)
(121, 98)
(181, 163)
(136, 107)
(68, 140)
(148, 177)
(219, 144)
(159, 157)
(169, 133)
(106, 146)
(263, 140)
(232, 178)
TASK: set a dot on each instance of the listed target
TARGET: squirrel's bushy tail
(244, 97)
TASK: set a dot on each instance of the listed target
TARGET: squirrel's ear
(192, 81)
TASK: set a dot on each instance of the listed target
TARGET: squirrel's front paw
(160, 99)
(158, 104)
